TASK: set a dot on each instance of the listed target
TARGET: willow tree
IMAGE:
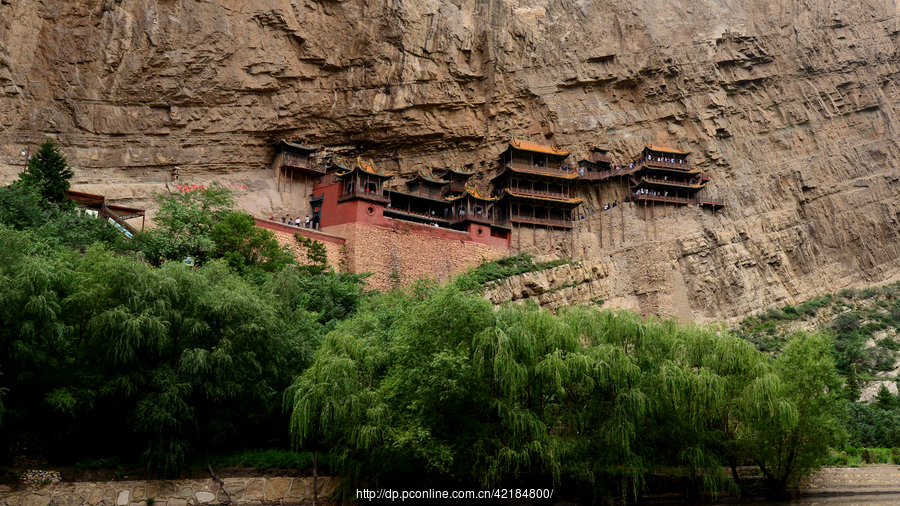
(186, 359)
(793, 441)
(434, 384)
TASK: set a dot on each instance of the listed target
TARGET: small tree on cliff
(48, 173)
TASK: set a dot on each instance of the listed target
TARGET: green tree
(243, 245)
(48, 173)
(884, 399)
(794, 437)
(188, 359)
(185, 222)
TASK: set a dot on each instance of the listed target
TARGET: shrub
(847, 293)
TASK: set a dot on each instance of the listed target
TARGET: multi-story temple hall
(447, 218)
(666, 175)
(537, 185)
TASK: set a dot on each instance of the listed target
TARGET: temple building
(292, 161)
(351, 192)
(596, 166)
(666, 175)
(422, 201)
(472, 210)
(458, 180)
(536, 185)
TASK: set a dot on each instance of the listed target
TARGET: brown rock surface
(790, 107)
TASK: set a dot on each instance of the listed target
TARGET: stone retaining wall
(853, 480)
(246, 491)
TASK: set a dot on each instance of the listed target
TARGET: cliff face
(791, 107)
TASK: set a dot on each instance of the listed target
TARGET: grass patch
(102, 463)
(491, 272)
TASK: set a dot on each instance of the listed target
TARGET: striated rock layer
(791, 107)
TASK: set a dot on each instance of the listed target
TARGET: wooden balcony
(686, 166)
(701, 201)
(365, 195)
(415, 216)
(297, 162)
(457, 186)
(543, 171)
(540, 193)
(472, 217)
(657, 181)
(547, 222)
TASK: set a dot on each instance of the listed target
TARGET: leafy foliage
(185, 224)
(243, 245)
(22, 208)
(794, 438)
(186, 358)
(488, 272)
(432, 384)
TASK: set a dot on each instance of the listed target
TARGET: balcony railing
(415, 215)
(547, 171)
(366, 195)
(541, 221)
(668, 182)
(539, 193)
(429, 193)
(478, 218)
(715, 202)
(294, 161)
(703, 201)
(685, 166)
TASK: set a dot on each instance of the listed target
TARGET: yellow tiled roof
(537, 148)
(471, 190)
(368, 167)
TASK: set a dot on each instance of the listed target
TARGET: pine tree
(48, 173)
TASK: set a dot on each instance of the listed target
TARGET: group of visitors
(651, 193)
(664, 159)
(290, 222)
(611, 205)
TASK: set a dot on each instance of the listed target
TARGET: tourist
(284, 219)
(307, 221)
(290, 223)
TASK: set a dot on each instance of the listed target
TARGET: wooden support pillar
(571, 233)
(600, 207)
(601, 227)
(645, 218)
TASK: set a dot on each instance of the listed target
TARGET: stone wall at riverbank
(246, 491)
(875, 479)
